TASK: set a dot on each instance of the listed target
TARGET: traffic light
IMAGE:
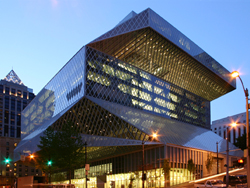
(240, 163)
(49, 163)
(7, 161)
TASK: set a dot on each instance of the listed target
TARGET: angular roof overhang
(150, 43)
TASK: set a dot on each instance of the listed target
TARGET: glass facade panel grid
(64, 89)
(151, 52)
(113, 80)
(86, 115)
(150, 19)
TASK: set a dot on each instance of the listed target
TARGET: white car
(211, 183)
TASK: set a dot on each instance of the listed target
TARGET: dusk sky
(38, 37)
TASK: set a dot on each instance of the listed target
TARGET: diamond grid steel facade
(113, 80)
(141, 77)
(151, 52)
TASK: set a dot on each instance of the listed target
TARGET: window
(13, 91)
(12, 131)
(18, 132)
(7, 104)
(6, 116)
(6, 130)
(18, 119)
(12, 118)
(24, 104)
(25, 95)
(13, 104)
(234, 135)
(1, 88)
(18, 105)
(19, 93)
(7, 90)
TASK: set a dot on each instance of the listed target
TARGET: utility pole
(86, 171)
(143, 164)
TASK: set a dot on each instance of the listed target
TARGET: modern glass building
(141, 77)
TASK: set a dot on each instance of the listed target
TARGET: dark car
(243, 178)
(233, 180)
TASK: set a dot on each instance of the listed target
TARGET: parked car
(211, 184)
(233, 180)
(243, 178)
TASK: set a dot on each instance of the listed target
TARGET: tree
(191, 166)
(241, 142)
(209, 162)
(166, 169)
(64, 148)
(70, 149)
(48, 144)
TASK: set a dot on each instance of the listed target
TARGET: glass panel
(63, 90)
(113, 80)
(7, 90)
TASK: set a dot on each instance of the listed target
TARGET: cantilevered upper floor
(150, 43)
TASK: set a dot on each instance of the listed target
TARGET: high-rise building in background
(141, 77)
(220, 126)
(14, 97)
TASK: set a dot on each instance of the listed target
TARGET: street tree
(166, 169)
(45, 156)
(241, 142)
(209, 162)
(63, 148)
(191, 166)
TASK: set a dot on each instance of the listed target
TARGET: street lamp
(236, 74)
(144, 175)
